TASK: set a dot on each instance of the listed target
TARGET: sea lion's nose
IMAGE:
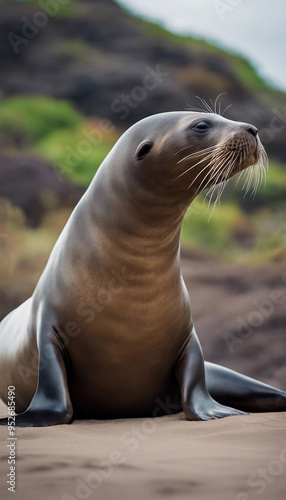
(252, 130)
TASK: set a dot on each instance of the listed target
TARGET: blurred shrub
(228, 231)
(269, 193)
(51, 127)
(215, 228)
(246, 74)
(24, 252)
(25, 120)
(78, 50)
(77, 153)
(270, 234)
(275, 187)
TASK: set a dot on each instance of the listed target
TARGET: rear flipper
(231, 388)
(51, 404)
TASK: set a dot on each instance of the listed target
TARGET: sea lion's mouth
(246, 147)
(214, 166)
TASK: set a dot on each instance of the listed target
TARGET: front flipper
(38, 418)
(51, 404)
(190, 372)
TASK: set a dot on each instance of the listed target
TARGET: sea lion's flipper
(229, 387)
(51, 404)
(190, 372)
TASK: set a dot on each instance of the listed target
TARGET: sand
(236, 458)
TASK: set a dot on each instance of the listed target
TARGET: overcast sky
(254, 28)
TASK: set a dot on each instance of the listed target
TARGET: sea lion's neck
(138, 224)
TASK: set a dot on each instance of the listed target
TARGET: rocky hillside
(113, 65)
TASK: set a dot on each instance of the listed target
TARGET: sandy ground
(237, 458)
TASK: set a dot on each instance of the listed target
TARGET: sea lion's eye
(202, 126)
(143, 149)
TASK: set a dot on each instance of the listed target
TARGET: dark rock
(32, 184)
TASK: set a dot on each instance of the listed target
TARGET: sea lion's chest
(133, 341)
(131, 314)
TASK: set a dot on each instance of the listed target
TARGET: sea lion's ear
(143, 149)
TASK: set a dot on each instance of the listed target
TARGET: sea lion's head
(218, 150)
(181, 153)
(164, 161)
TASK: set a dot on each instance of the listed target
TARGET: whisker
(238, 178)
(183, 149)
(216, 101)
(219, 186)
(220, 166)
(210, 164)
(247, 181)
(198, 175)
(224, 171)
(216, 168)
(195, 153)
(204, 103)
(205, 157)
(193, 166)
(257, 179)
(225, 109)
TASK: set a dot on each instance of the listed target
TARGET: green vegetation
(275, 187)
(78, 50)
(228, 230)
(243, 227)
(77, 147)
(272, 191)
(246, 74)
(197, 44)
(76, 153)
(214, 228)
(24, 120)
(54, 129)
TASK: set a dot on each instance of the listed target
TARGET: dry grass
(24, 252)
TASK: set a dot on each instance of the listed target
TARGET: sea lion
(108, 332)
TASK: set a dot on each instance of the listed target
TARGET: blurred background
(75, 74)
